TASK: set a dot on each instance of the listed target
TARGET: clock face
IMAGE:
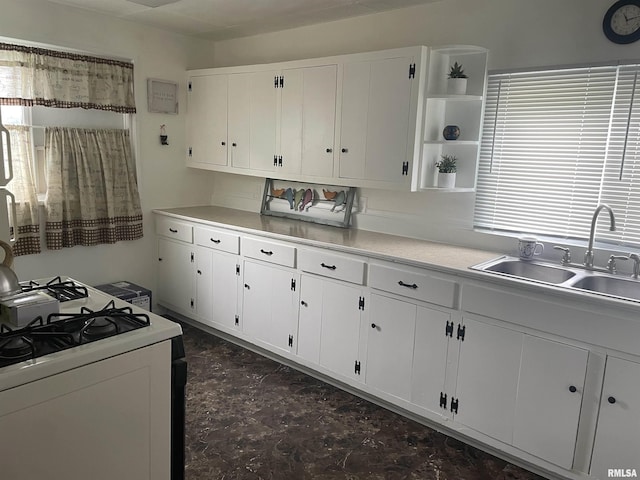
(621, 23)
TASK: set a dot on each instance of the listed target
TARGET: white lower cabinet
(550, 390)
(176, 285)
(217, 286)
(522, 390)
(487, 383)
(270, 304)
(390, 341)
(340, 334)
(617, 443)
(434, 350)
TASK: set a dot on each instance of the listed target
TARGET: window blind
(557, 143)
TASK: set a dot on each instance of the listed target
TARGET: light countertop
(349, 240)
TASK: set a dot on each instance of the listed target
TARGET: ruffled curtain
(23, 188)
(36, 76)
(92, 194)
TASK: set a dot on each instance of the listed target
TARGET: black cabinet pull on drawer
(330, 267)
(266, 252)
(402, 284)
(214, 240)
(173, 230)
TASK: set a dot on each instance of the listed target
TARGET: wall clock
(621, 23)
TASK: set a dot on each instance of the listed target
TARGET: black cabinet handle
(159, 259)
(573, 389)
(303, 303)
(329, 150)
(214, 240)
(611, 400)
(173, 230)
(402, 284)
(247, 286)
(234, 144)
(223, 143)
(344, 150)
(330, 267)
(199, 272)
(373, 325)
(266, 252)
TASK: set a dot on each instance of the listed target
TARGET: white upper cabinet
(207, 119)
(377, 122)
(353, 120)
(308, 117)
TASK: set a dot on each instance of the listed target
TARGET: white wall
(518, 33)
(162, 177)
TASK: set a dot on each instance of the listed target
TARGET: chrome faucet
(588, 256)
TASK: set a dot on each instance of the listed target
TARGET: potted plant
(447, 168)
(457, 83)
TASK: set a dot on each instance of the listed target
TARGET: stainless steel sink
(528, 270)
(617, 287)
(571, 277)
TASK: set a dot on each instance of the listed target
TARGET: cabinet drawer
(218, 239)
(273, 252)
(331, 265)
(414, 283)
(175, 229)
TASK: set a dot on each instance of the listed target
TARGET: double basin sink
(614, 285)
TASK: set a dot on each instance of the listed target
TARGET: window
(557, 143)
(83, 164)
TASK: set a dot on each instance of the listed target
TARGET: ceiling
(225, 19)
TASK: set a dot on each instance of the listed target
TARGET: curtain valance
(36, 76)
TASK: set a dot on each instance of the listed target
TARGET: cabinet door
(547, 407)
(431, 351)
(207, 119)
(263, 120)
(204, 285)
(239, 126)
(340, 337)
(617, 441)
(175, 275)
(488, 378)
(225, 285)
(217, 283)
(307, 122)
(376, 101)
(310, 317)
(269, 305)
(390, 345)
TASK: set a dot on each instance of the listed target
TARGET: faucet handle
(636, 264)
(611, 264)
(566, 256)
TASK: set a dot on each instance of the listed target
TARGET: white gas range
(96, 389)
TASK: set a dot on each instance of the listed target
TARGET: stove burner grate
(65, 330)
(62, 291)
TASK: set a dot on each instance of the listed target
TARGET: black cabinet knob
(329, 150)
(223, 143)
(199, 272)
(344, 150)
(234, 144)
(373, 325)
(611, 400)
(573, 389)
(303, 303)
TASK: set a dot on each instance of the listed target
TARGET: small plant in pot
(447, 168)
(457, 83)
